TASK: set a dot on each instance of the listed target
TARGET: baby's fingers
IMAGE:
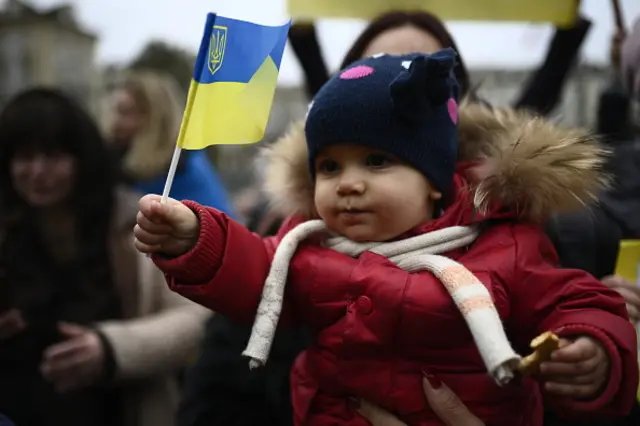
(145, 202)
(570, 368)
(146, 248)
(574, 352)
(152, 208)
(575, 380)
(571, 390)
(154, 228)
(149, 238)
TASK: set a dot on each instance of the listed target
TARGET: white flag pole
(171, 175)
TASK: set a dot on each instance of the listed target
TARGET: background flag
(560, 12)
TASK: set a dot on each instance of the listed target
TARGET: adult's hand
(442, 401)
(11, 323)
(75, 363)
(629, 291)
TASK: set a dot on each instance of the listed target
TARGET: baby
(413, 247)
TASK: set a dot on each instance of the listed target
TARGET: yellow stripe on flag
(225, 113)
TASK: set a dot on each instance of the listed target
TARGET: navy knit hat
(404, 105)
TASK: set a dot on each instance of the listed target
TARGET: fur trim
(525, 163)
(287, 178)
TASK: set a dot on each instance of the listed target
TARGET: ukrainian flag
(233, 83)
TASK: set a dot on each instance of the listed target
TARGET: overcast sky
(124, 26)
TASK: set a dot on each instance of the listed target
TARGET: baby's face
(369, 195)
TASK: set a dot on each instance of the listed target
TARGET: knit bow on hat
(425, 86)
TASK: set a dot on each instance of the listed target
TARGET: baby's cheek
(407, 204)
(321, 202)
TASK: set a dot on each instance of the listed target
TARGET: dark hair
(419, 19)
(46, 120)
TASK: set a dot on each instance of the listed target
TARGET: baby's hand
(171, 228)
(578, 369)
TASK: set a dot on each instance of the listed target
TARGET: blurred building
(45, 47)
(579, 103)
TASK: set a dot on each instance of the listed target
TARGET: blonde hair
(161, 99)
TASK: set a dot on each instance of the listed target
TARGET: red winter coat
(378, 329)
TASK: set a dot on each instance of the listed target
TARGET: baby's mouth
(353, 211)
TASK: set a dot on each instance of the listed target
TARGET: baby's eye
(379, 160)
(327, 166)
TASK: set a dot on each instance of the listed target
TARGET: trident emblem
(216, 48)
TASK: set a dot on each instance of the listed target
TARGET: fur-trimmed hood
(524, 163)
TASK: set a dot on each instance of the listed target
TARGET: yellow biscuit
(542, 346)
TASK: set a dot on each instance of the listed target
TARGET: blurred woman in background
(147, 115)
(89, 332)
(402, 32)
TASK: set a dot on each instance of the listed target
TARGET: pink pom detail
(357, 72)
(452, 106)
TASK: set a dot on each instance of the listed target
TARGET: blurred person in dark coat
(587, 239)
(89, 332)
(148, 108)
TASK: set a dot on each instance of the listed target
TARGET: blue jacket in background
(195, 180)
(5, 421)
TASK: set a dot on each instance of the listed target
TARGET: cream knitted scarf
(414, 254)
